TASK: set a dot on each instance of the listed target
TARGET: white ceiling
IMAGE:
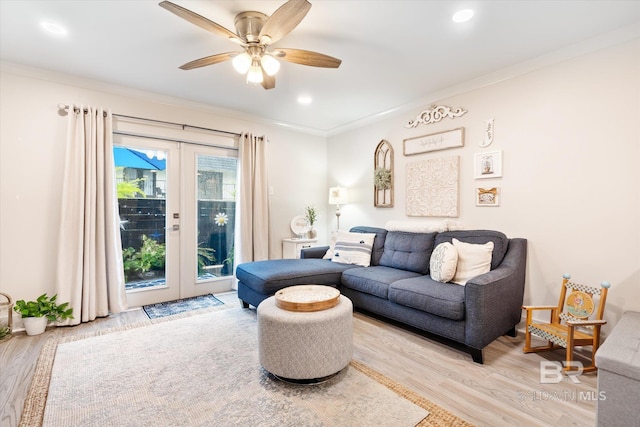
(393, 52)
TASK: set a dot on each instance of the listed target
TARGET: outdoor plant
(151, 256)
(129, 189)
(205, 257)
(44, 307)
(230, 257)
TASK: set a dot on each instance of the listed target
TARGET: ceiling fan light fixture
(242, 63)
(270, 65)
(255, 72)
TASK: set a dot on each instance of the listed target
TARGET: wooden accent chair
(570, 326)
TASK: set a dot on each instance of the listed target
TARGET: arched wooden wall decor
(383, 175)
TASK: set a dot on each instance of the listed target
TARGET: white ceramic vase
(35, 325)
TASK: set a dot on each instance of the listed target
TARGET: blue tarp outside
(130, 158)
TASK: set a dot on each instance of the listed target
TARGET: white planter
(35, 325)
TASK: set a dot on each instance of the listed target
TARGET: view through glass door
(177, 214)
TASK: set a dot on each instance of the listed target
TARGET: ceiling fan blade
(285, 19)
(307, 57)
(200, 21)
(268, 82)
(208, 60)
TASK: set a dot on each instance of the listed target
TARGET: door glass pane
(141, 185)
(216, 207)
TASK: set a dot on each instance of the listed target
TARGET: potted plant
(36, 314)
(312, 215)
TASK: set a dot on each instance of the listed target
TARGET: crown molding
(610, 39)
(111, 88)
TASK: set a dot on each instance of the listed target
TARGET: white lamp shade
(242, 63)
(270, 65)
(338, 196)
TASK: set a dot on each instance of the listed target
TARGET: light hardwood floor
(505, 391)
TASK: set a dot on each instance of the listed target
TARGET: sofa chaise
(398, 283)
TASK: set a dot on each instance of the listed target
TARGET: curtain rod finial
(62, 109)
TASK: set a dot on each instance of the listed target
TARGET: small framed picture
(488, 196)
(488, 165)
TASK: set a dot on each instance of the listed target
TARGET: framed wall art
(433, 142)
(488, 196)
(488, 165)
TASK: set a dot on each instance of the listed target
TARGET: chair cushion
(408, 251)
(425, 294)
(373, 280)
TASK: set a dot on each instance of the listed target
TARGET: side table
(291, 247)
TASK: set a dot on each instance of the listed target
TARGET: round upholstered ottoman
(305, 346)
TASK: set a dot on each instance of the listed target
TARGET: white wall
(569, 135)
(32, 141)
(571, 147)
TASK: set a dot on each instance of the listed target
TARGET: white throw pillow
(473, 260)
(353, 248)
(443, 262)
(332, 246)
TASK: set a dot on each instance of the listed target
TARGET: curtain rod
(162, 138)
(183, 126)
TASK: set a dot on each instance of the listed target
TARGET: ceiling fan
(256, 32)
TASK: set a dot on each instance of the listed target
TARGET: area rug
(171, 308)
(203, 370)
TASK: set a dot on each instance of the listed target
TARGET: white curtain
(252, 232)
(90, 274)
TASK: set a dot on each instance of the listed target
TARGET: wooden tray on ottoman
(307, 298)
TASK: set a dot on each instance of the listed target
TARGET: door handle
(174, 227)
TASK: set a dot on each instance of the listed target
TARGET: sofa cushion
(378, 242)
(443, 263)
(473, 260)
(479, 237)
(408, 251)
(353, 248)
(374, 280)
(268, 277)
(425, 294)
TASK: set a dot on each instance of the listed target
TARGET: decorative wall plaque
(433, 142)
(488, 133)
(434, 114)
(432, 187)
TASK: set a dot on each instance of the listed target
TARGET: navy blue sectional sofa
(397, 284)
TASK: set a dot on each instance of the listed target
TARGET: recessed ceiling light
(304, 99)
(462, 15)
(53, 28)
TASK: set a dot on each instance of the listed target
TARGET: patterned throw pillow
(443, 262)
(473, 260)
(353, 248)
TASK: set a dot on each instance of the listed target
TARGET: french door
(177, 218)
